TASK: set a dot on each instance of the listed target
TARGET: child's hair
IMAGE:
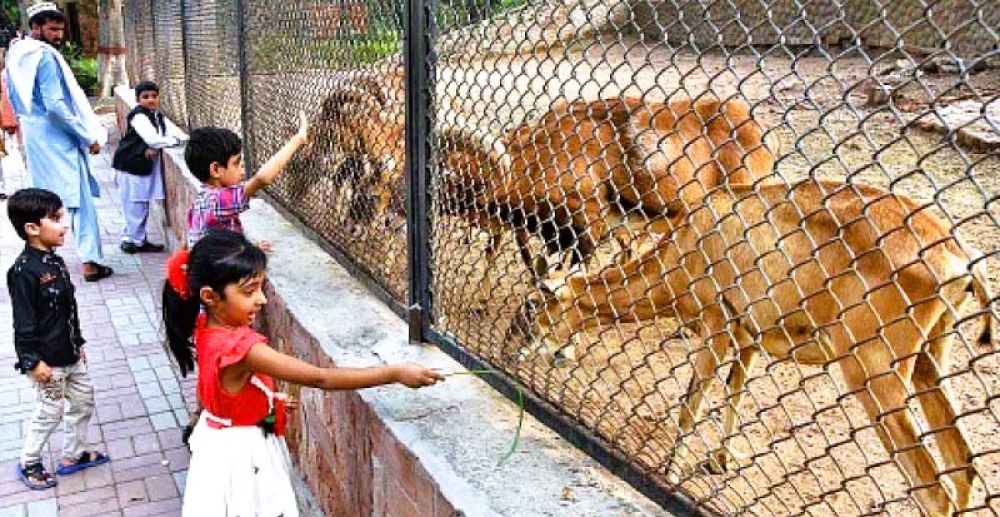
(220, 258)
(145, 86)
(210, 144)
(31, 205)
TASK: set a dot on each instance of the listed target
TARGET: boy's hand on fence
(41, 373)
(303, 134)
(150, 153)
(416, 376)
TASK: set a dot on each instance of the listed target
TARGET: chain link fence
(212, 70)
(744, 252)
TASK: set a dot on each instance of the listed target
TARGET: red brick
(398, 463)
(443, 508)
(427, 493)
(398, 503)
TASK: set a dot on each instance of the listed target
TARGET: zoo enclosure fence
(469, 154)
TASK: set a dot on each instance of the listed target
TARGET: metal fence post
(244, 83)
(416, 50)
(184, 58)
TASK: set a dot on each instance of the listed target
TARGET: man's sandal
(35, 477)
(85, 461)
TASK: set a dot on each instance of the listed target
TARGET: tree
(111, 49)
(22, 7)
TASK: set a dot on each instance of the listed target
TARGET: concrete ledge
(394, 451)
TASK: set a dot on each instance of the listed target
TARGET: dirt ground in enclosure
(811, 449)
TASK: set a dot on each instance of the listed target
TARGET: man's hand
(41, 373)
(95, 148)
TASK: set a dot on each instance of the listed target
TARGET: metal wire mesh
(747, 246)
(169, 65)
(212, 74)
(138, 18)
(574, 247)
(334, 61)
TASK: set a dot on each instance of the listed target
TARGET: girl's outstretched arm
(273, 167)
(264, 359)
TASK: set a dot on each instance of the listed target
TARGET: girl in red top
(239, 462)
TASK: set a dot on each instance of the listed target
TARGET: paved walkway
(141, 401)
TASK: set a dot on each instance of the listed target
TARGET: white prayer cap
(41, 7)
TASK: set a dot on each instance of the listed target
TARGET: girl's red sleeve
(239, 346)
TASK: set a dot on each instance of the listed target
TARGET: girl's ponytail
(180, 311)
(220, 258)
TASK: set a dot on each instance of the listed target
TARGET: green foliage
(13, 13)
(84, 68)
(381, 39)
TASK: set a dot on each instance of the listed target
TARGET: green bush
(84, 68)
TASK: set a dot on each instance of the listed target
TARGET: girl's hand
(303, 134)
(265, 246)
(415, 376)
(291, 403)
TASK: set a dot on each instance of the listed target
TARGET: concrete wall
(393, 451)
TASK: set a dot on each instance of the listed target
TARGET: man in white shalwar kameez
(59, 128)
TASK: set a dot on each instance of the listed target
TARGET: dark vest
(130, 156)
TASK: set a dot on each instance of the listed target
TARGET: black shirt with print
(46, 323)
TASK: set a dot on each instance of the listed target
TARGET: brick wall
(351, 461)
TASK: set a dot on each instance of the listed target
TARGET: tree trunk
(22, 5)
(111, 50)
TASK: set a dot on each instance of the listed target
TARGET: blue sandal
(35, 477)
(85, 461)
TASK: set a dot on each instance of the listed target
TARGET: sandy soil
(811, 448)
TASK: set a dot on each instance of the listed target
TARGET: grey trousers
(69, 397)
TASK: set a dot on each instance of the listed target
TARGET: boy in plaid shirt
(214, 156)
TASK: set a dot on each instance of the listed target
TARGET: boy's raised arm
(273, 167)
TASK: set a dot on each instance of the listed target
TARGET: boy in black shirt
(47, 338)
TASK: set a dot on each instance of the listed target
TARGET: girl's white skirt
(237, 472)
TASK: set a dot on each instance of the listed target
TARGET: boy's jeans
(70, 386)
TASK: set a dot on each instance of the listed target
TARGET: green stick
(520, 405)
